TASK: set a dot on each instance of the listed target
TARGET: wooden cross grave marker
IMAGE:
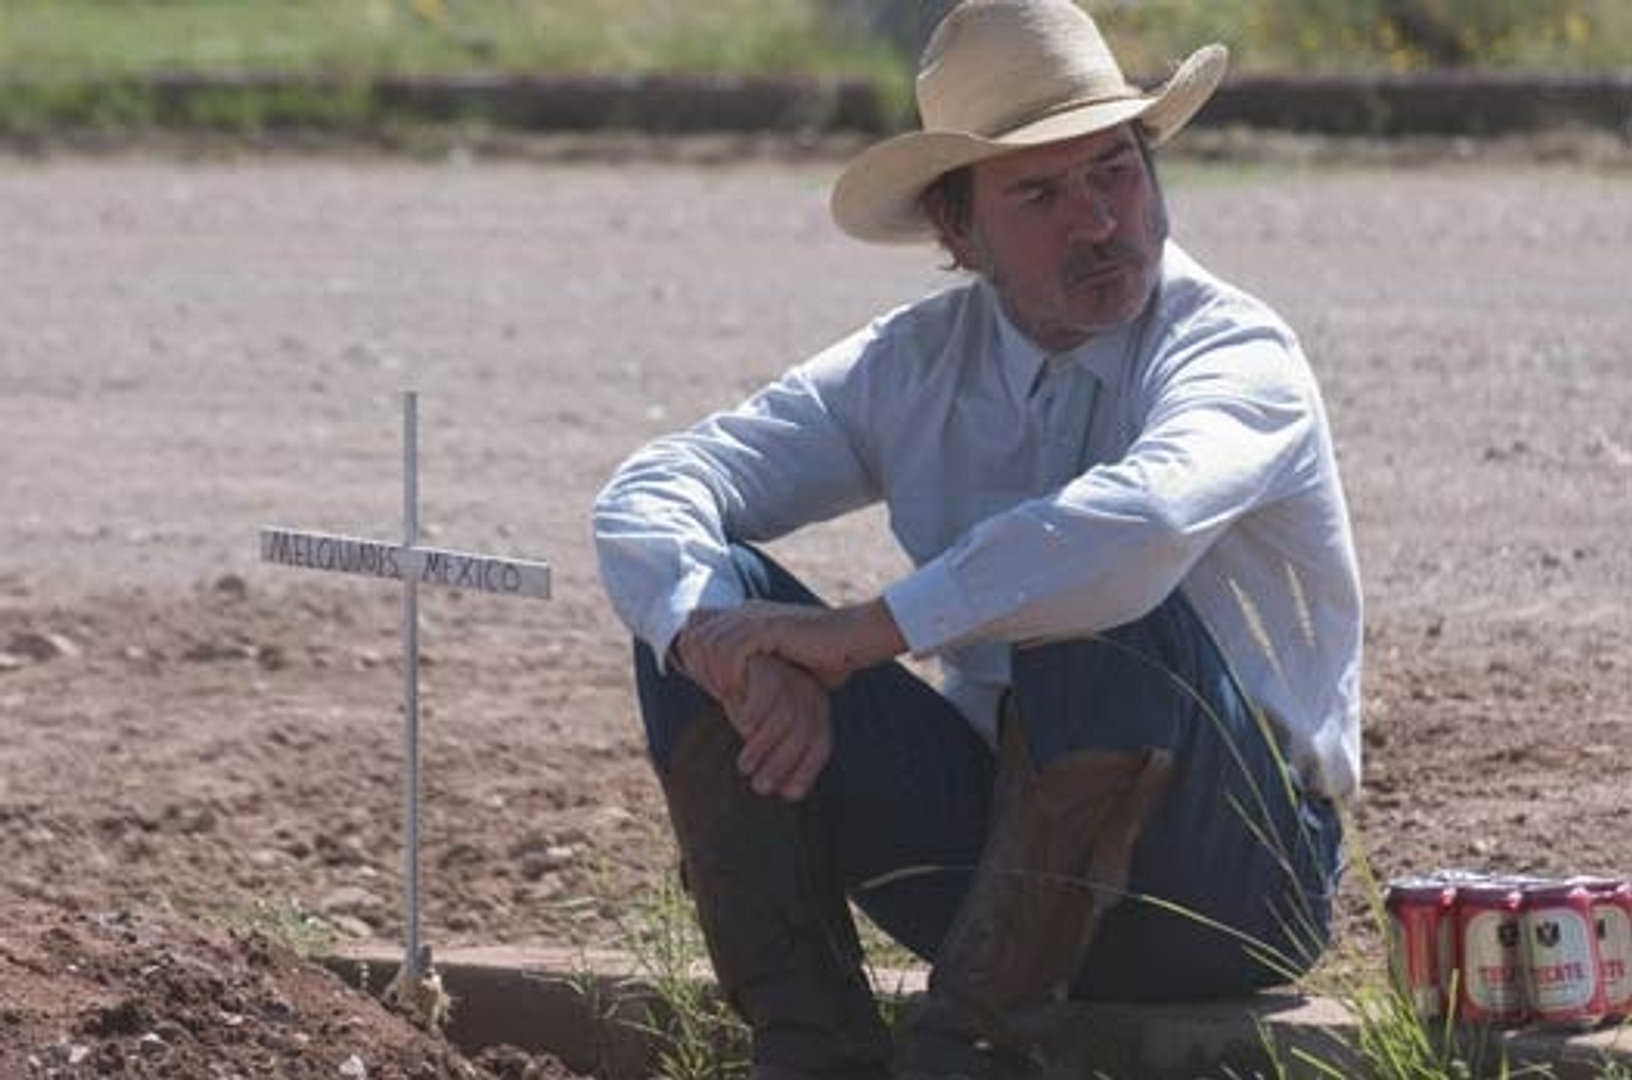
(412, 564)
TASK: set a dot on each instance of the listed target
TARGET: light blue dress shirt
(1207, 466)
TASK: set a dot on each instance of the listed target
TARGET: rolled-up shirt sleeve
(1225, 425)
(665, 521)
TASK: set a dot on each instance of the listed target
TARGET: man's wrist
(877, 636)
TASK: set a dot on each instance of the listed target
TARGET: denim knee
(668, 702)
(1129, 687)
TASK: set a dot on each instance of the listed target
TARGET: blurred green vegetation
(87, 63)
(63, 38)
(59, 38)
(1277, 36)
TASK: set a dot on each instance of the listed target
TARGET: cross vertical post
(413, 961)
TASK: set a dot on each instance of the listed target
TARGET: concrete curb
(592, 1009)
(1430, 103)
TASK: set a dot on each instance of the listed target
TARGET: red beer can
(1561, 961)
(1421, 922)
(1490, 963)
(1612, 921)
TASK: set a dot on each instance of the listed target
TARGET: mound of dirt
(116, 994)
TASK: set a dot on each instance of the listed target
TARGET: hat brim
(876, 197)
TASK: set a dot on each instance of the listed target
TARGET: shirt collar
(1022, 358)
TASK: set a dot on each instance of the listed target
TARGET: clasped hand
(772, 667)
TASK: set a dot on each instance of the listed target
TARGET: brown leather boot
(778, 928)
(1055, 861)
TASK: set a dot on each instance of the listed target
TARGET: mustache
(1084, 262)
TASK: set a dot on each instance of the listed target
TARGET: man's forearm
(869, 635)
(714, 647)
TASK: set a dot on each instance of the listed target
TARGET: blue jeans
(1232, 881)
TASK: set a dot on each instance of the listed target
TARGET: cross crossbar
(400, 562)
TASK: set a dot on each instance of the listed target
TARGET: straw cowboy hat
(1000, 75)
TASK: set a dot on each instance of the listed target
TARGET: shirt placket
(1066, 393)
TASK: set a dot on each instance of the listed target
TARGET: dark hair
(949, 204)
(955, 191)
(1141, 137)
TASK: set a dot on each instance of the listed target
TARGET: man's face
(1069, 234)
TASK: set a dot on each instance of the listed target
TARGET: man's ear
(951, 228)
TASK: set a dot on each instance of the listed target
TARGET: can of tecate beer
(1612, 922)
(1421, 926)
(1561, 961)
(1490, 964)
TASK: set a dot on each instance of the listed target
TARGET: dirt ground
(199, 752)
